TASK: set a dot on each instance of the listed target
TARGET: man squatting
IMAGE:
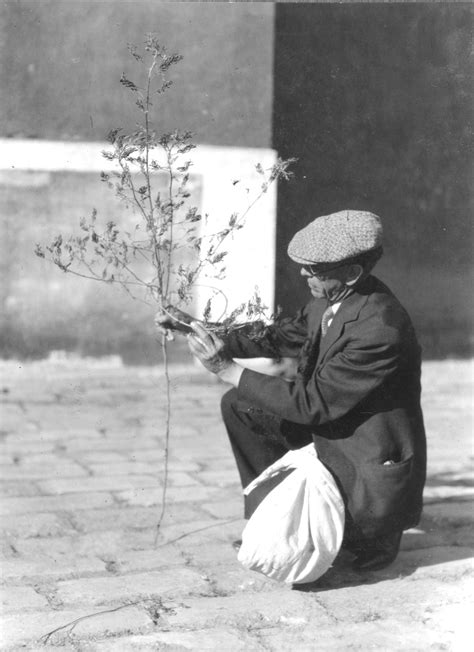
(355, 394)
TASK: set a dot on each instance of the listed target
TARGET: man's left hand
(211, 351)
(208, 348)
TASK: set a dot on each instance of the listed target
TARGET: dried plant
(151, 176)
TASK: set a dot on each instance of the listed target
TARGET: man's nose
(304, 272)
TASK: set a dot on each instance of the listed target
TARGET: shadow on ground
(445, 534)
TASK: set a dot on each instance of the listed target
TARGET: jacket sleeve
(334, 389)
(282, 339)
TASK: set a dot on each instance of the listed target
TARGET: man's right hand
(172, 319)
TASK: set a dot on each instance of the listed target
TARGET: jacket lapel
(348, 311)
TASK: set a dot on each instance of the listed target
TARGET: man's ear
(354, 272)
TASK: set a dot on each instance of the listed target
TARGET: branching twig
(44, 640)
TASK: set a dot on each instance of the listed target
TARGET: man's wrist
(231, 374)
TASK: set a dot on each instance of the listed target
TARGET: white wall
(40, 197)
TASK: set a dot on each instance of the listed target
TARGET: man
(356, 393)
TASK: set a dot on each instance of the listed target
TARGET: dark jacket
(358, 393)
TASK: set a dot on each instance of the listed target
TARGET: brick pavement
(81, 478)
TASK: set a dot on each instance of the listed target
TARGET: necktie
(328, 314)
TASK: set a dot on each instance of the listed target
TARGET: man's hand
(210, 350)
(172, 319)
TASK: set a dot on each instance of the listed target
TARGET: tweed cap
(336, 237)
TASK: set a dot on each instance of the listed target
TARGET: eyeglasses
(315, 270)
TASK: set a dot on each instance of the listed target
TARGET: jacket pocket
(382, 492)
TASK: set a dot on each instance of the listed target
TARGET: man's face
(331, 283)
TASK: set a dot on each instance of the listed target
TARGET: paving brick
(226, 509)
(182, 512)
(195, 531)
(6, 458)
(125, 621)
(12, 488)
(19, 598)
(454, 513)
(68, 432)
(159, 584)
(35, 472)
(214, 552)
(448, 492)
(180, 479)
(430, 535)
(189, 454)
(390, 598)
(10, 415)
(222, 640)
(133, 517)
(137, 560)
(43, 458)
(448, 563)
(7, 550)
(157, 455)
(27, 447)
(16, 629)
(262, 609)
(220, 478)
(42, 566)
(380, 634)
(100, 457)
(226, 463)
(231, 640)
(35, 525)
(233, 579)
(124, 467)
(149, 496)
(126, 445)
(66, 502)
(90, 520)
(90, 484)
(99, 543)
(154, 426)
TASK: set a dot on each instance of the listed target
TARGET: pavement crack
(70, 520)
(84, 467)
(112, 567)
(13, 549)
(254, 630)
(118, 500)
(49, 592)
(158, 610)
(326, 609)
(22, 406)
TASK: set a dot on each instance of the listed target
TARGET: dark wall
(375, 101)
(61, 63)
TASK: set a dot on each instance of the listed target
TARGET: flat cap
(336, 237)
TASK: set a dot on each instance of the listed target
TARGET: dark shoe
(378, 553)
(236, 544)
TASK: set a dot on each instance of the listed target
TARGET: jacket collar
(348, 311)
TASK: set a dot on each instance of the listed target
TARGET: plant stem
(167, 436)
(156, 254)
(147, 134)
(170, 190)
